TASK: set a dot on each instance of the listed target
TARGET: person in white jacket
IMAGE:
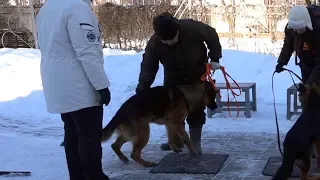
(74, 81)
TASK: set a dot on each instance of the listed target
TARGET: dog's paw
(124, 159)
(314, 178)
(150, 164)
(194, 153)
(177, 150)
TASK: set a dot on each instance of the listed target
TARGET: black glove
(141, 88)
(105, 96)
(138, 90)
(279, 68)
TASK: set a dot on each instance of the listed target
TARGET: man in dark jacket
(179, 46)
(302, 36)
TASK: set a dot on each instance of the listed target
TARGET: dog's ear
(210, 96)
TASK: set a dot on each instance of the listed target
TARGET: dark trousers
(82, 143)
(196, 118)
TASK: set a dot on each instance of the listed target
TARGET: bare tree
(4, 2)
(317, 2)
(308, 2)
(3, 17)
(231, 18)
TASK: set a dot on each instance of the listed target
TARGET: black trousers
(196, 118)
(82, 143)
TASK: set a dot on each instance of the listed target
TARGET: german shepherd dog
(161, 105)
(302, 137)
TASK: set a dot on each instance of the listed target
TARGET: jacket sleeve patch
(91, 36)
(86, 26)
(89, 33)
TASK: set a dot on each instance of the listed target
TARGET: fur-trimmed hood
(299, 18)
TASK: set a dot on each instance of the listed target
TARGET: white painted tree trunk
(34, 29)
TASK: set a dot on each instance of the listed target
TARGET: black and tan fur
(161, 105)
(302, 137)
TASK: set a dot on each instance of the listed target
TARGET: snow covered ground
(30, 137)
(258, 45)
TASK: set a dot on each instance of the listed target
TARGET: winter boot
(195, 136)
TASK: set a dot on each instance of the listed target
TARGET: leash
(274, 103)
(208, 76)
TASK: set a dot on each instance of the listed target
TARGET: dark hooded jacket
(307, 48)
(183, 62)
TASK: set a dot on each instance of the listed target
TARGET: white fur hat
(299, 18)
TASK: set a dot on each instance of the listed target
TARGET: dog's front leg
(304, 165)
(172, 139)
(317, 150)
(285, 170)
(140, 140)
(179, 128)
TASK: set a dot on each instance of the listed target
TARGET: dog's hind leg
(181, 131)
(116, 146)
(139, 142)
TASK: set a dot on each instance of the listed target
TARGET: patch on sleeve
(90, 33)
(91, 36)
(86, 26)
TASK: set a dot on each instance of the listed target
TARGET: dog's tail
(120, 117)
(110, 127)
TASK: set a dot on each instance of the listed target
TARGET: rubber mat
(185, 163)
(275, 162)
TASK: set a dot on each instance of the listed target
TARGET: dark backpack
(314, 11)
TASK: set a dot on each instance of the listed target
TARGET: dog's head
(210, 96)
(199, 94)
(305, 91)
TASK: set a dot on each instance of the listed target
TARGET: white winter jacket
(71, 55)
